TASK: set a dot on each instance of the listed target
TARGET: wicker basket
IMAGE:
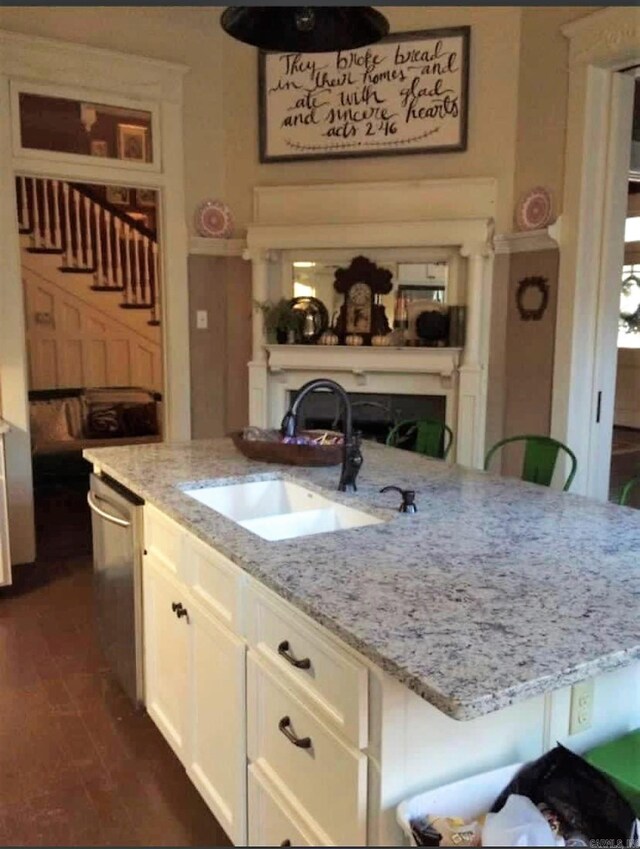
(287, 454)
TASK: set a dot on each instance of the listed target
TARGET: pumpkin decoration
(353, 339)
(328, 338)
(381, 341)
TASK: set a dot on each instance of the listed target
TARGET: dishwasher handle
(108, 516)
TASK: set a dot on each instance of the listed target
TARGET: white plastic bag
(519, 823)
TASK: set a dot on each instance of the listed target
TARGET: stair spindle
(37, 236)
(99, 275)
(88, 243)
(67, 225)
(25, 224)
(108, 229)
(77, 230)
(127, 255)
(135, 262)
(45, 213)
(146, 280)
(136, 254)
(57, 242)
(118, 259)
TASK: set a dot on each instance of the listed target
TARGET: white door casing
(63, 69)
(591, 238)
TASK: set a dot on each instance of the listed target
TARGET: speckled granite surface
(494, 592)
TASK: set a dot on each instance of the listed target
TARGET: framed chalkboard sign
(409, 93)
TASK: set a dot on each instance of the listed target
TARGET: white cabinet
(5, 557)
(166, 651)
(195, 673)
(322, 772)
(216, 760)
(275, 821)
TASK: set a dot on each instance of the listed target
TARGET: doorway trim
(65, 68)
(591, 235)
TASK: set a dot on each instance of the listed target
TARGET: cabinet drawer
(331, 681)
(163, 538)
(317, 770)
(272, 822)
(214, 580)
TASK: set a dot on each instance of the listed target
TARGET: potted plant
(281, 323)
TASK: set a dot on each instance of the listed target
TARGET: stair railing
(92, 236)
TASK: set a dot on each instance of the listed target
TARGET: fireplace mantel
(456, 214)
(364, 360)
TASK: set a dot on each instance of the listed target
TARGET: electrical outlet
(202, 319)
(581, 706)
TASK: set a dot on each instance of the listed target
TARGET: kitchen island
(485, 606)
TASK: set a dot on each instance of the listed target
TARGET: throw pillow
(104, 422)
(140, 419)
(49, 422)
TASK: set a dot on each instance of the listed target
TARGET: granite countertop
(495, 591)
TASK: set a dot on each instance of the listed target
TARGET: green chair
(540, 457)
(627, 490)
(424, 436)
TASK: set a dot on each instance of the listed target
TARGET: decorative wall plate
(534, 209)
(213, 219)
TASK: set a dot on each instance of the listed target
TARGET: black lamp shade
(305, 29)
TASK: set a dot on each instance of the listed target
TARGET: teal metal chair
(424, 436)
(627, 489)
(540, 458)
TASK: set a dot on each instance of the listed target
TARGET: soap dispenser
(408, 504)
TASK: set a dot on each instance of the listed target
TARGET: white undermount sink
(277, 509)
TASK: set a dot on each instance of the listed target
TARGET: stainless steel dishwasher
(116, 519)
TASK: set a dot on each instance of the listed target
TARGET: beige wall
(190, 36)
(492, 124)
(542, 99)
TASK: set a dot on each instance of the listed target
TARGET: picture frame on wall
(118, 195)
(406, 94)
(99, 147)
(146, 197)
(132, 142)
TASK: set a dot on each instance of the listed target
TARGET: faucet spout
(351, 454)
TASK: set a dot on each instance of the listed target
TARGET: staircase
(93, 238)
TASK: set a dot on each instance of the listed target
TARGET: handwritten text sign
(406, 94)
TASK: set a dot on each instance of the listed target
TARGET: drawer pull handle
(283, 651)
(301, 742)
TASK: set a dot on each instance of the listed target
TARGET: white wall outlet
(202, 319)
(581, 706)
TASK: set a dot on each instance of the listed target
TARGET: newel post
(472, 398)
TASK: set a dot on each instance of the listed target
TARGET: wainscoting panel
(72, 343)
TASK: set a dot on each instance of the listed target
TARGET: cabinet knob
(283, 651)
(176, 607)
(285, 727)
(286, 842)
(182, 612)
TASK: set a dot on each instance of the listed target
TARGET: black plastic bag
(579, 793)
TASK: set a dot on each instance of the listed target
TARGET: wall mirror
(425, 280)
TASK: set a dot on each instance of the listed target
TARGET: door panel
(166, 654)
(217, 749)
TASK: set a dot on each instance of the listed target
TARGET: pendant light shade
(305, 29)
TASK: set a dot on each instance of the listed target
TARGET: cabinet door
(166, 642)
(217, 762)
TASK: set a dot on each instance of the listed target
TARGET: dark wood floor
(78, 765)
